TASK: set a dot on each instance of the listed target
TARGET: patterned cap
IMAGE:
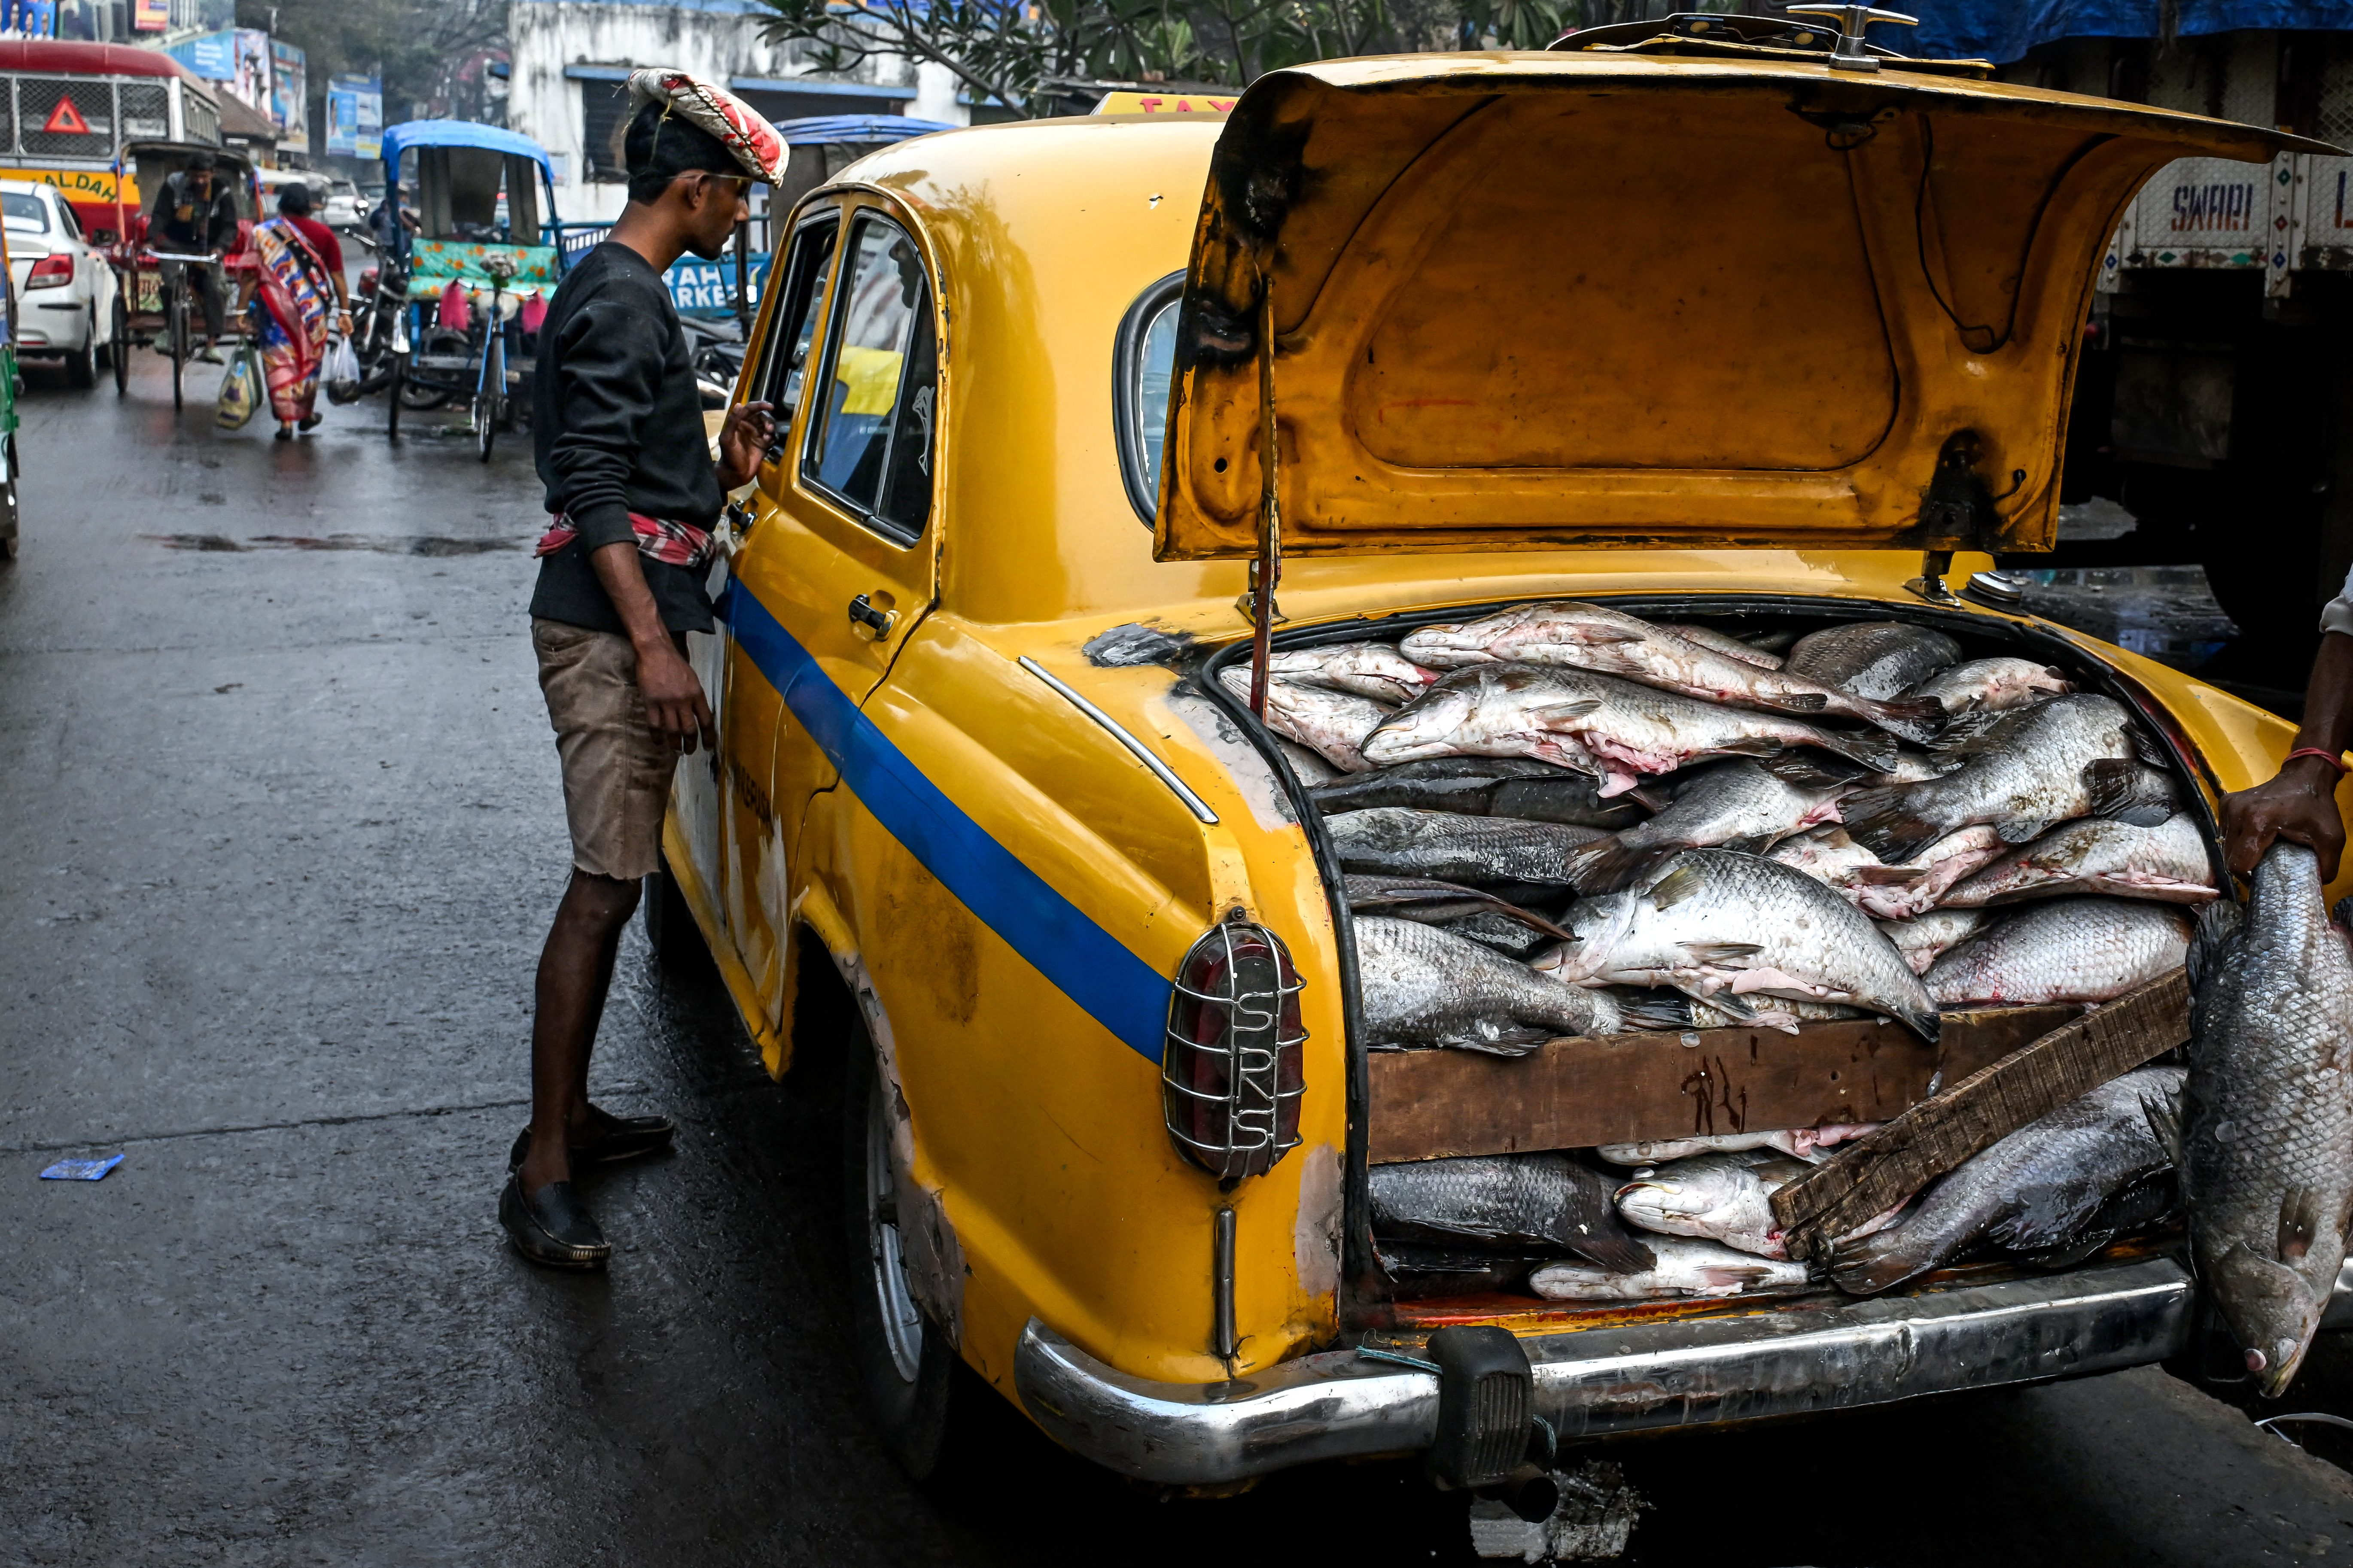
(739, 127)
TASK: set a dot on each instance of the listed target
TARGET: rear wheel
(399, 393)
(490, 393)
(177, 329)
(81, 364)
(904, 1360)
(119, 349)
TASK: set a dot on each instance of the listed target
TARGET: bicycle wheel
(119, 341)
(491, 392)
(399, 391)
(178, 328)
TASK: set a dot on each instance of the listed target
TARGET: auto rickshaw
(156, 302)
(473, 278)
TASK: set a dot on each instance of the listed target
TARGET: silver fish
(2045, 1191)
(2267, 1166)
(1924, 939)
(1911, 887)
(1740, 804)
(1434, 902)
(1331, 724)
(1611, 642)
(1724, 1196)
(2022, 776)
(2098, 854)
(1687, 1267)
(2067, 950)
(1482, 786)
(1811, 1145)
(1615, 730)
(1724, 643)
(1507, 1200)
(1374, 669)
(1994, 685)
(1311, 767)
(1873, 659)
(1420, 985)
(1717, 924)
(1392, 841)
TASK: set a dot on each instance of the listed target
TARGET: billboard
(249, 68)
(28, 18)
(356, 116)
(289, 97)
(151, 16)
(212, 56)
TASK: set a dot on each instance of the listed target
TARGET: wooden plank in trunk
(1623, 1089)
(1875, 1173)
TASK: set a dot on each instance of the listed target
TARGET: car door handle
(862, 613)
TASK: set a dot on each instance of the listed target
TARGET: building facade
(570, 61)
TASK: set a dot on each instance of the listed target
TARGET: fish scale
(2268, 1147)
(1423, 985)
(2065, 950)
(2022, 775)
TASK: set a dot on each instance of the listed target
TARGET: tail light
(1230, 1073)
(51, 272)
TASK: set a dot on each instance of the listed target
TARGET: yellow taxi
(1684, 321)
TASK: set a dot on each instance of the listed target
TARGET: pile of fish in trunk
(1561, 819)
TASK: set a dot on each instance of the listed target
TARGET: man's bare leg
(575, 969)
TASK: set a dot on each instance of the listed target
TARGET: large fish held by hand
(2267, 1166)
(2022, 775)
(1617, 730)
(1723, 927)
(1611, 642)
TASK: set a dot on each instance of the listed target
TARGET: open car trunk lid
(1530, 302)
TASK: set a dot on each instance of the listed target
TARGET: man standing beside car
(196, 214)
(2299, 803)
(617, 425)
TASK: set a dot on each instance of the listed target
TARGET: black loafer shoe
(624, 1138)
(550, 1228)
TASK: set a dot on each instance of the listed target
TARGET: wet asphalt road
(283, 838)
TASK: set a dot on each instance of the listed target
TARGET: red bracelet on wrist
(2331, 758)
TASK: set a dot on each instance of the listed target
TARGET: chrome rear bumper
(1816, 1355)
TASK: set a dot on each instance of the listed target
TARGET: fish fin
(1748, 746)
(1964, 731)
(2021, 829)
(1798, 702)
(1913, 718)
(1876, 751)
(1927, 1025)
(1655, 1012)
(2341, 912)
(2300, 1224)
(1680, 883)
(1877, 819)
(2147, 747)
(1620, 1253)
(1575, 709)
(2213, 930)
(2164, 1124)
(1811, 771)
(1752, 844)
(1503, 1043)
(2109, 785)
(1607, 866)
(1717, 951)
(1877, 1262)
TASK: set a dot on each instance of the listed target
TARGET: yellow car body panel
(1007, 888)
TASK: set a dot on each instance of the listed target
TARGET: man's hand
(2300, 804)
(750, 427)
(675, 708)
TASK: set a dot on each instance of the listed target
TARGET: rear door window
(871, 438)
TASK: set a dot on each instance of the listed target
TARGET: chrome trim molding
(1193, 803)
(1807, 1356)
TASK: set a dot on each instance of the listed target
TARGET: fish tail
(1877, 1262)
(1926, 1024)
(1881, 821)
(1658, 1011)
(1620, 1253)
(2212, 931)
(1875, 751)
(1609, 865)
(2112, 785)
(1913, 718)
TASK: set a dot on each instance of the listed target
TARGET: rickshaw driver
(196, 212)
(617, 423)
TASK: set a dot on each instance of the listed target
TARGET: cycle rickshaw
(155, 296)
(474, 276)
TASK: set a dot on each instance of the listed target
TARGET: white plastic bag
(240, 392)
(340, 372)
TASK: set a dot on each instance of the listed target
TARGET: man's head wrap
(681, 124)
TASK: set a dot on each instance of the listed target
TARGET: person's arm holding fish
(2299, 804)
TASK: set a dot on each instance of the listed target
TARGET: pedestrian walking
(196, 214)
(616, 423)
(300, 269)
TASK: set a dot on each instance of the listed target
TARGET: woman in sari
(295, 279)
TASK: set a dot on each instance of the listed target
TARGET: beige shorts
(617, 771)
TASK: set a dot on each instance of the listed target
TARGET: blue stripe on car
(1086, 962)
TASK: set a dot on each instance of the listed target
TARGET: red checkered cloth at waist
(662, 538)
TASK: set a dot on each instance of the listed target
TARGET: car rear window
(27, 213)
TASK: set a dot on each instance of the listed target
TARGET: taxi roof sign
(1166, 104)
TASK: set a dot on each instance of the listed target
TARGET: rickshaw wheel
(119, 349)
(398, 389)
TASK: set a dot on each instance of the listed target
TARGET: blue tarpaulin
(2003, 30)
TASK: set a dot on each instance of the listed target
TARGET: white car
(344, 208)
(65, 289)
